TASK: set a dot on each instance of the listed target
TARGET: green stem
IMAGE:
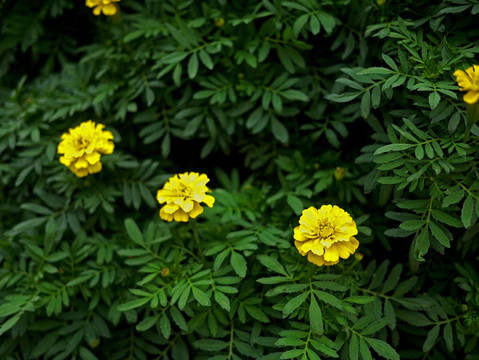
(196, 237)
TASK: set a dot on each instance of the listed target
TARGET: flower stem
(196, 237)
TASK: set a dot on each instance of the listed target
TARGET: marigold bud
(339, 173)
(464, 307)
(358, 256)
(94, 343)
(219, 22)
(165, 272)
(381, 2)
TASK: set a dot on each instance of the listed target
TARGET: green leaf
(439, 234)
(434, 99)
(295, 203)
(453, 198)
(294, 95)
(134, 232)
(7, 325)
(364, 350)
(445, 218)
(290, 354)
(467, 211)
(389, 314)
(366, 104)
(329, 299)
(206, 59)
(133, 304)
(222, 300)
(279, 131)
(193, 65)
(272, 264)
(393, 147)
(211, 344)
(376, 71)
(238, 262)
(360, 299)
(165, 326)
(383, 349)
(148, 322)
(448, 337)
(201, 296)
(294, 303)
(256, 313)
(315, 316)
(354, 347)
(431, 338)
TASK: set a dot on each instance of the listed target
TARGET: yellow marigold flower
(107, 7)
(183, 194)
(81, 148)
(469, 81)
(325, 235)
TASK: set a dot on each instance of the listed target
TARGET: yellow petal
(299, 235)
(187, 205)
(209, 200)
(92, 169)
(315, 259)
(180, 216)
(93, 157)
(331, 254)
(170, 208)
(471, 97)
(165, 216)
(197, 210)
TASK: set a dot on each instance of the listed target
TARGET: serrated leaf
(193, 65)
(315, 317)
(467, 211)
(383, 349)
(133, 231)
(272, 264)
(294, 303)
(238, 262)
(431, 338)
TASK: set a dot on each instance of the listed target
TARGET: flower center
(184, 191)
(326, 233)
(82, 143)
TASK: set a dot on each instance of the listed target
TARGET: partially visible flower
(107, 7)
(183, 195)
(326, 235)
(469, 81)
(82, 147)
(339, 173)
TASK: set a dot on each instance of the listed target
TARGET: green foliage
(284, 105)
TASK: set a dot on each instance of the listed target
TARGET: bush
(284, 105)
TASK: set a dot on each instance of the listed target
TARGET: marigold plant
(107, 7)
(82, 147)
(183, 195)
(326, 235)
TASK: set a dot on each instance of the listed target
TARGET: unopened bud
(219, 22)
(358, 256)
(381, 2)
(464, 307)
(165, 272)
(339, 173)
